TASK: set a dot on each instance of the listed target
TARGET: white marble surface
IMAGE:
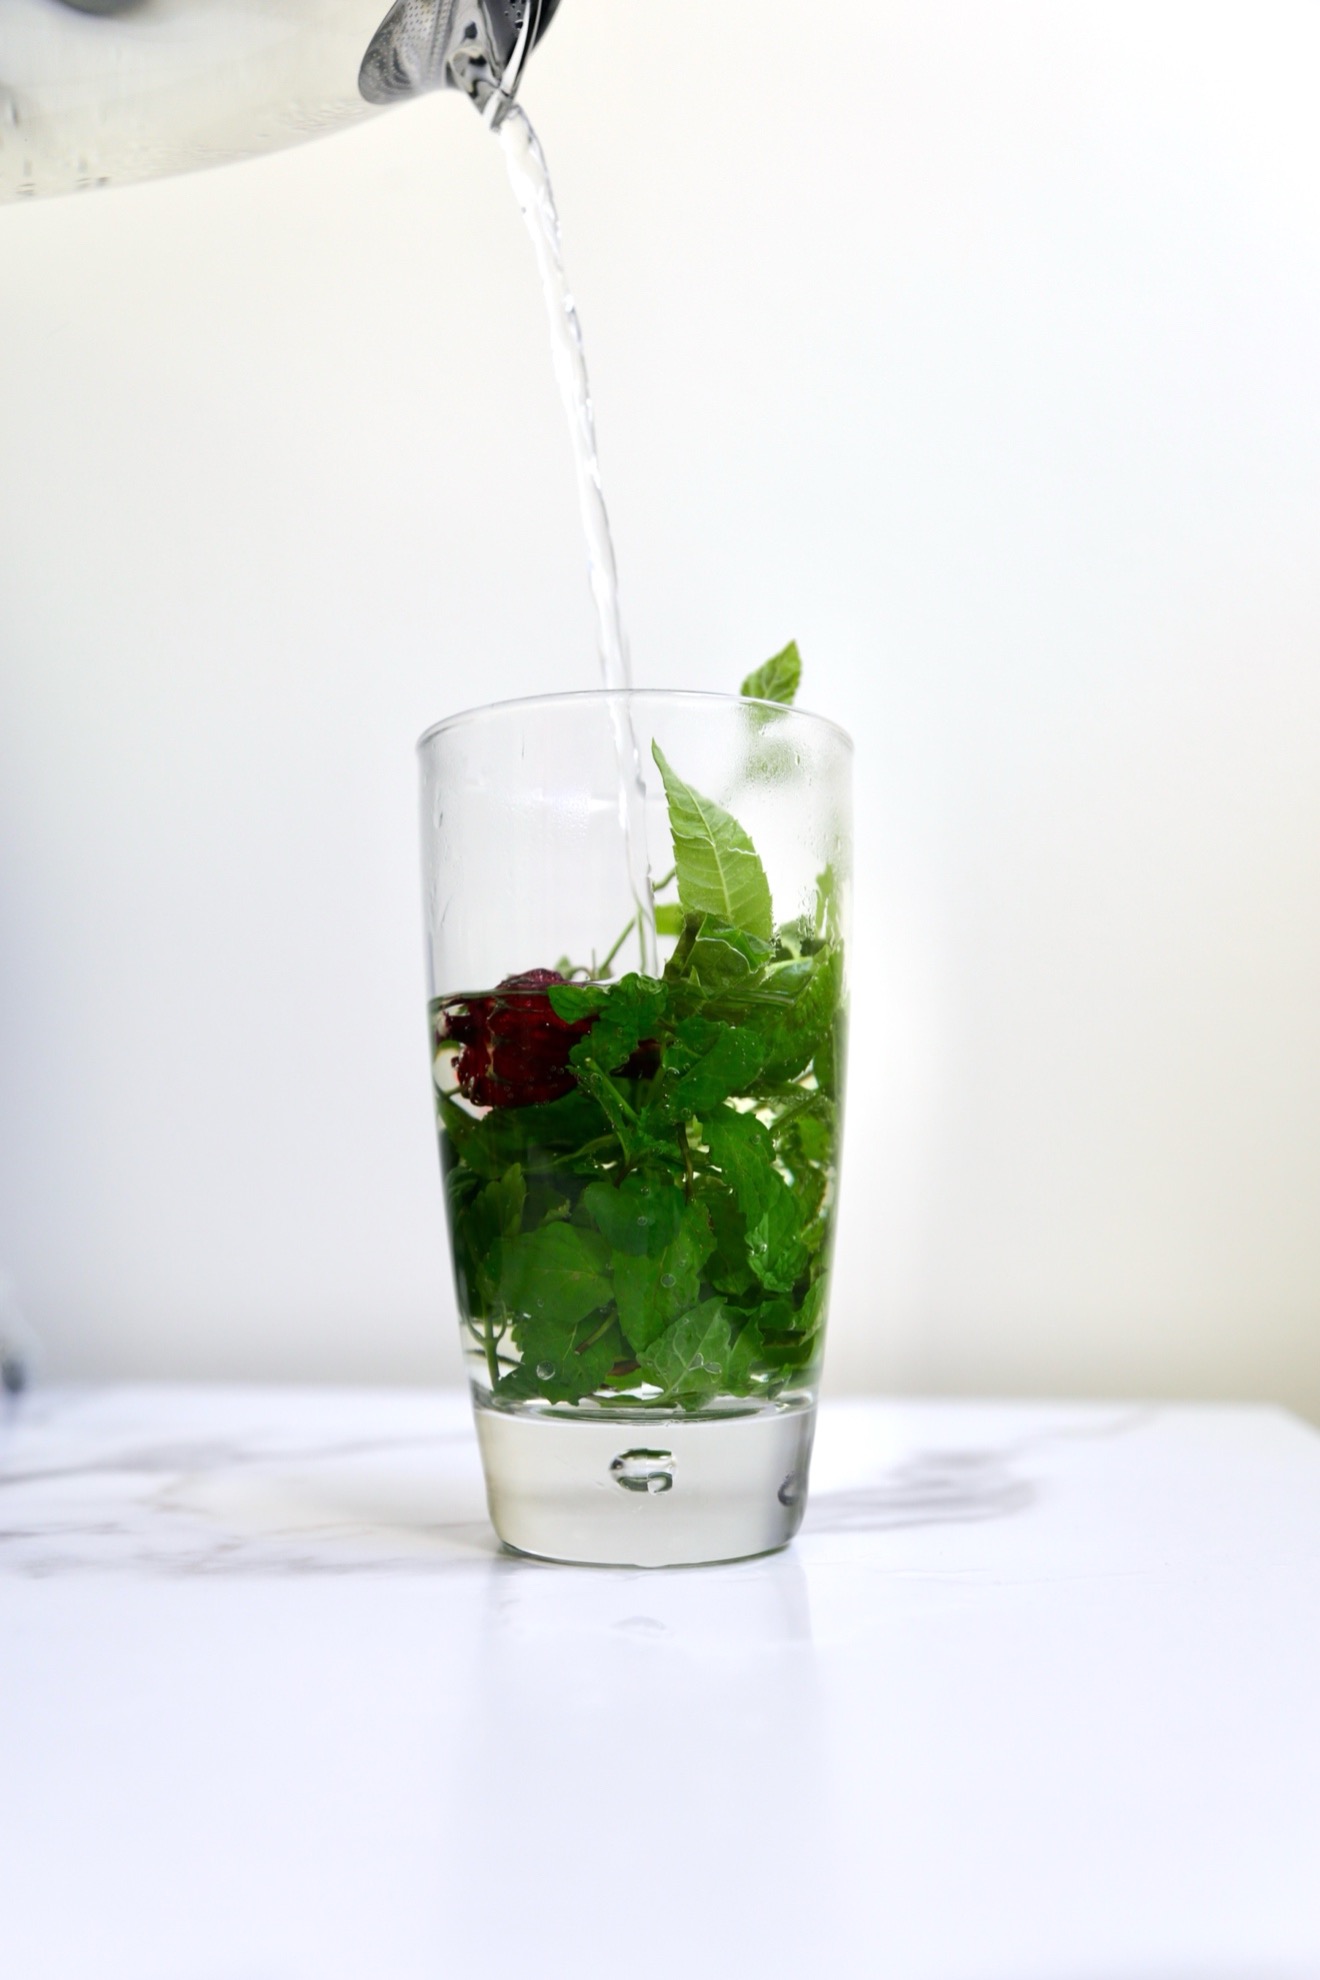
(1035, 1696)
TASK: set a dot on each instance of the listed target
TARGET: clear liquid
(712, 1489)
(530, 178)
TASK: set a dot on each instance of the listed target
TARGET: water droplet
(792, 1489)
(643, 1221)
(644, 1471)
(546, 1371)
(667, 1280)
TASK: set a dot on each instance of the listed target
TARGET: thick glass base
(646, 1491)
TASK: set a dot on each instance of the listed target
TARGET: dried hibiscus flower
(515, 1045)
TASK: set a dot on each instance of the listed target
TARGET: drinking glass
(636, 910)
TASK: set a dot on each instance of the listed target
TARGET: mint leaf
(719, 871)
(689, 1359)
(489, 1145)
(652, 1292)
(628, 1013)
(575, 1001)
(779, 678)
(748, 1361)
(555, 1276)
(669, 919)
(796, 1031)
(742, 1149)
(796, 1346)
(728, 1269)
(704, 1064)
(724, 959)
(639, 1216)
(480, 1228)
(562, 1364)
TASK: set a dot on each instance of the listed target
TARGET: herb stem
(685, 1145)
(678, 961)
(604, 968)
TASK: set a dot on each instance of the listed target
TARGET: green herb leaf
(744, 1152)
(719, 871)
(562, 1364)
(480, 1228)
(653, 1291)
(779, 679)
(628, 1013)
(669, 918)
(795, 1032)
(639, 1216)
(747, 1362)
(705, 1063)
(492, 1143)
(725, 959)
(556, 1276)
(575, 1001)
(728, 1269)
(689, 1359)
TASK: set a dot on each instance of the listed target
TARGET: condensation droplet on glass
(546, 1371)
(667, 1280)
(791, 1489)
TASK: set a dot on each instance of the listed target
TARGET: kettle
(101, 92)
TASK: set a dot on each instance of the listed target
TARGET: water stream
(530, 179)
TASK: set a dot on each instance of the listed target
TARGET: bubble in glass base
(701, 1488)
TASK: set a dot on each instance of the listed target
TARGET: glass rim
(606, 695)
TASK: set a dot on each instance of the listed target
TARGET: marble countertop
(1034, 1696)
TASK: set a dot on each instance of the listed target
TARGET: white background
(974, 345)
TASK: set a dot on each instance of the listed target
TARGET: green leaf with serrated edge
(640, 1138)
(669, 918)
(774, 1243)
(639, 1215)
(813, 1131)
(795, 1033)
(742, 1148)
(481, 1229)
(778, 679)
(546, 1203)
(797, 1349)
(703, 1065)
(652, 1292)
(466, 1138)
(728, 1269)
(562, 1364)
(555, 1276)
(719, 870)
(628, 1014)
(491, 1143)
(726, 959)
(689, 1359)
(749, 1369)
(575, 1001)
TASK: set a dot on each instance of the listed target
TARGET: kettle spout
(477, 46)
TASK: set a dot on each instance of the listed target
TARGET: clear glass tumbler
(636, 914)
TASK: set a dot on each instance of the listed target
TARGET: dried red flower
(515, 1044)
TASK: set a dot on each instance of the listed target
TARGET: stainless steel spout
(478, 46)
